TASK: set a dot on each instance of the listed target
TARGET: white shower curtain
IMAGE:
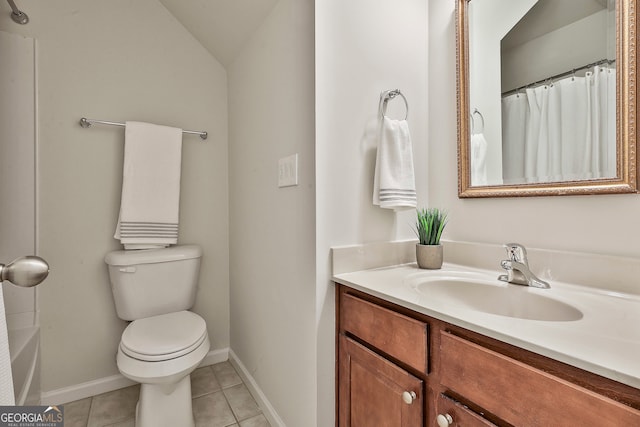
(563, 131)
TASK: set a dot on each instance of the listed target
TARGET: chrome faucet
(517, 267)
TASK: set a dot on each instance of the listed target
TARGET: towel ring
(473, 121)
(390, 94)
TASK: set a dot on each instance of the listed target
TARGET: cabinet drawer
(399, 336)
(522, 395)
(459, 414)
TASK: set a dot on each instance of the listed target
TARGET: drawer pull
(408, 397)
(444, 420)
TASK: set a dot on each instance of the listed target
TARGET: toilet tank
(150, 282)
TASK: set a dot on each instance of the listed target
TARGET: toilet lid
(163, 337)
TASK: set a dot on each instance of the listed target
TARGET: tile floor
(220, 399)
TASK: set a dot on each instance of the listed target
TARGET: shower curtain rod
(85, 123)
(18, 16)
(558, 76)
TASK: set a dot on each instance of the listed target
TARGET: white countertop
(605, 340)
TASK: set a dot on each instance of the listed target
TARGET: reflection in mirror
(541, 96)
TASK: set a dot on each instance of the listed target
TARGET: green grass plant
(429, 225)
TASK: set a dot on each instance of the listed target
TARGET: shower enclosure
(18, 206)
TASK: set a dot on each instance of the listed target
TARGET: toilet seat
(163, 337)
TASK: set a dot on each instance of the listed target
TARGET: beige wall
(363, 47)
(272, 229)
(117, 60)
(605, 224)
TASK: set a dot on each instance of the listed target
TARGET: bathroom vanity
(410, 357)
(397, 367)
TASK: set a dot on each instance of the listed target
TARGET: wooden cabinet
(374, 392)
(400, 337)
(522, 395)
(452, 376)
(373, 389)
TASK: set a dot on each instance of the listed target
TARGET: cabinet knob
(408, 397)
(444, 420)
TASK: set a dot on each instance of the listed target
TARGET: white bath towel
(394, 185)
(478, 159)
(149, 209)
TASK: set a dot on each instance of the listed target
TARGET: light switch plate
(288, 171)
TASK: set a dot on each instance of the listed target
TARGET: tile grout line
(235, 417)
(222, 388)
(90, 409)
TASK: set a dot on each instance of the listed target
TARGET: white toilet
(164, 343)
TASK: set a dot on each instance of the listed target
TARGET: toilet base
(165, 405)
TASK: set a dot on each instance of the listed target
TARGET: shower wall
(17, 169)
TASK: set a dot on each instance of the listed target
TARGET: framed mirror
(546, 97)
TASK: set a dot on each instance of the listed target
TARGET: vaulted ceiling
(549, 15)
(221, 26)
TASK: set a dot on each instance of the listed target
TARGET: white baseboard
(80, 391)
(215, 356)
(114, 382)
(267, 409)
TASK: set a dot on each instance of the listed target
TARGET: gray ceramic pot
(429, 256)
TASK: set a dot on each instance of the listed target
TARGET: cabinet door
(374, 392)
(454, 414)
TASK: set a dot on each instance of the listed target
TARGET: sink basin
(498, 298)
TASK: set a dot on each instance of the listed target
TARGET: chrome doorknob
(408, 397)
(444, 420)
(26, 271)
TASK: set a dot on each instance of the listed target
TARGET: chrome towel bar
(85, 123)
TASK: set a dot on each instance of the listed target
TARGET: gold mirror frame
(626, 118)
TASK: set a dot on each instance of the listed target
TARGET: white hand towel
(149, 209)
(478, 159)
(394, 185)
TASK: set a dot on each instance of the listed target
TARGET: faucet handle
(516, 252)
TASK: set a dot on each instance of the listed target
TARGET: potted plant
(429, 226)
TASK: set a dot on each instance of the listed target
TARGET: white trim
(87, 389)
(114, 382)
(36, 178)
(215, 356)
(267, 409)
